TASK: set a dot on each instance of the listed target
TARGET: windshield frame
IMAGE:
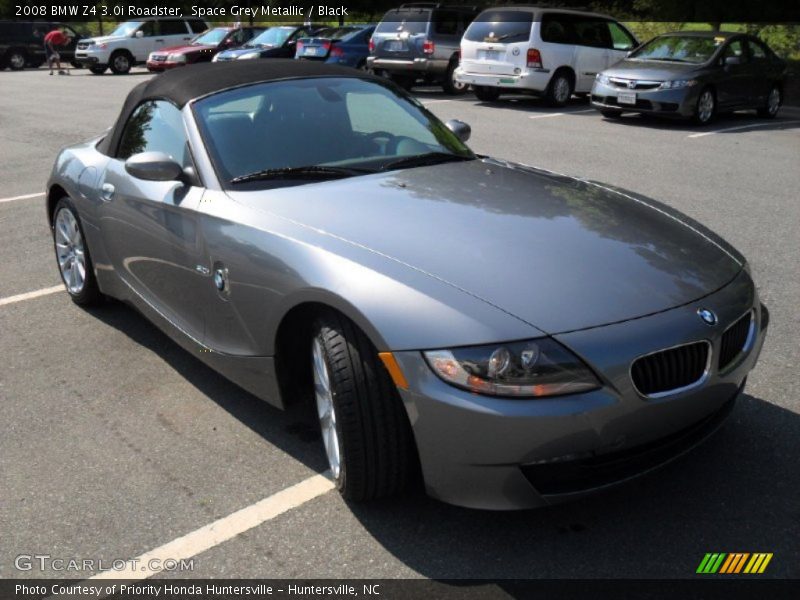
(128, 27)
(225, 183)
(718, 45)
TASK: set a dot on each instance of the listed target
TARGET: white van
(546, 51)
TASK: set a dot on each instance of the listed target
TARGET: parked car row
(22, 43)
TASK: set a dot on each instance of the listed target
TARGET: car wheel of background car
(72, 255)
(365, 429)
(120, 62)
(97, 70)
(450, 85)
(559, 91)
(404, 81)
(486, 93)
(706, 107)
(774, 101)
(16, 59)
(76, 64)
(611, 114)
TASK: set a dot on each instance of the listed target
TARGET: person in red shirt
(51, 40)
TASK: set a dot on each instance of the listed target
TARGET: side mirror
(733, 60)
(461, 129)
(154, 166)
(139, 34)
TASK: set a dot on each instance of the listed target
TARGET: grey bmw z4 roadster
(510, 336)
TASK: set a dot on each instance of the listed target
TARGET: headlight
(176, 58)
(604, 79)
(534, 368)
(250, 55)
(677, 83)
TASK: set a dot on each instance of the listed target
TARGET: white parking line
(560, 114)
(766, 124)
(23, 197)
(31, 295)
(223, 529)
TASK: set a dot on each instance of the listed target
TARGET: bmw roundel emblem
(709, 316)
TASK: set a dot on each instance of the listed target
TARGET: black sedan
(694, 75)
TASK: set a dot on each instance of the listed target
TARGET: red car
(202, 48)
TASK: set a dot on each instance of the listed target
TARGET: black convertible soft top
(181, 85)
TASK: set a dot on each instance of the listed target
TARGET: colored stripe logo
(734, 563)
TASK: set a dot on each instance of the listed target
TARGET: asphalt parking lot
(116, 442)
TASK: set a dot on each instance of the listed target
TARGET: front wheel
(72, 255)
(450, 85)
(560, 89)
(365, 430)
(16, 59)
(485, 93)
(611, 114)
(97, 70)
(706, 107)
(774, 101)
(121, 63)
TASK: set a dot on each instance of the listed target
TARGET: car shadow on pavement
(293, 431)
(737, 492)
(747, 119)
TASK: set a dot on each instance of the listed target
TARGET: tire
(611, 114)
(404, 81)
(450, 85)
(120, 62)
(97, 70)
(73, 258)
(774, 101)
(365, 429)
(16, 59)
(706, 107)
(76, 65)
(485, 93)
(560, 89)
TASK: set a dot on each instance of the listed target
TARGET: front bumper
(91, 59)
(497, 453)
(679, 102)
(157, 66)
(422, 66)
(529, 80)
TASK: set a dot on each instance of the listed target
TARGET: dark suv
(421, 41)
(22, 43)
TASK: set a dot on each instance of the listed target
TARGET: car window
(500, 26)
(150, 28)
(155, 126)
(736, 48)
(173, 27)
(592, 32)
(757, 51)
(197, 25)
(344, 122)
(620, 38)
(446, 22)
(412, 22)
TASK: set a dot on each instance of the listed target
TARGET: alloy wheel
(70, 251)
(121, 63)
(705, 106)
(17, 61)
(774, 101)
(561, 90)
(326, 411)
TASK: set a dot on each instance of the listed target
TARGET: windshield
(126, 29)
(322, 126)
(212, 37)
(500, 26)
(274, 36)
(679, 48)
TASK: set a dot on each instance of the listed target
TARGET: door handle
(107, 192)
(161, 41)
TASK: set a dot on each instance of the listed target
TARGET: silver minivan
(549, 52)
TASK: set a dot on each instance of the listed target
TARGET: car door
(760, 67)
(150, 228)
(592, 50)
(174, 32)
(736, 77)
(622, 42)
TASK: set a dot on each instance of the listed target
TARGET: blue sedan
(348, 46)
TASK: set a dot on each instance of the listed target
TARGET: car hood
(184, 49)
(104, 39)
(239, 51)
(650, 69)
(559, 253)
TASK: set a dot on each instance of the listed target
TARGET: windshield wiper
(307, 172)
(680, 60)
(421, 160)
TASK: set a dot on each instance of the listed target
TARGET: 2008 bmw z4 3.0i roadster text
(315, 235)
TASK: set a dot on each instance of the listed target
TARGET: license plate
(311, 51)
(394, 45)
(626, 97)
(488, 54)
